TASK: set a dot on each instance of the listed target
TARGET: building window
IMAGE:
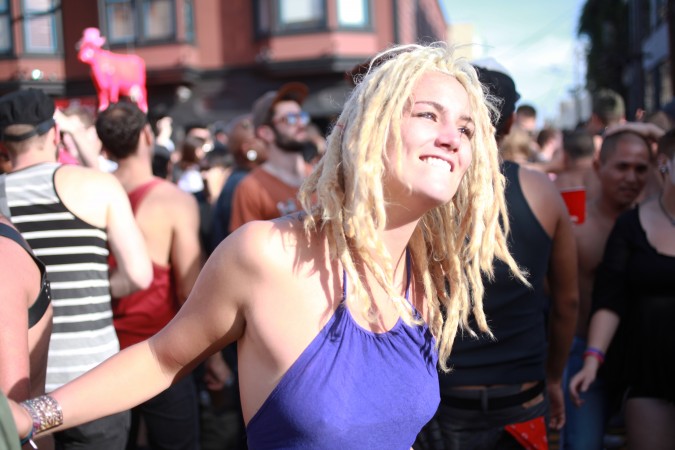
(158, 19)
(5, 27)
(189, 20)
(281, 16)
(39, 26)
(140, 21)
(120, 21)
(353, 13)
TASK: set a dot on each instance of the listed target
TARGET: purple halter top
(352, 389)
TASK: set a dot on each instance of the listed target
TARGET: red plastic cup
(575, 199)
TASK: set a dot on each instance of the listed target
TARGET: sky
(535, 40)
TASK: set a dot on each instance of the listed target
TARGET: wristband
(595, 353)
(29, 439)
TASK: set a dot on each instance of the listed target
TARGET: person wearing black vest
(502, 387)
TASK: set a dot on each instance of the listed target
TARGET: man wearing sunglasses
(270, 190)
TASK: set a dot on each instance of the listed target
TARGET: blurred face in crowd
(526, 123)
(289, 124)
(623, 173)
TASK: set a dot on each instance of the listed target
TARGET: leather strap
(483, 402)
(37, 309)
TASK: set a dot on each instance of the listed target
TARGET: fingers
(574, 391)
(557, 422)
(647, 130)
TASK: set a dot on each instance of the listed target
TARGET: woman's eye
(466, 131)
(427, 115)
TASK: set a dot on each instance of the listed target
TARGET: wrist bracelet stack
(46, 414)
(595, 353)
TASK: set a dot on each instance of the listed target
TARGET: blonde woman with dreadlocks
(340, 314)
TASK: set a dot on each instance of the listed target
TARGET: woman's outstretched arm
(211, 318)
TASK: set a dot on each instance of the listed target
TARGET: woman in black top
(635, 286)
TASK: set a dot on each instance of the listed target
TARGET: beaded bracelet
(45, 412)
(595, 353)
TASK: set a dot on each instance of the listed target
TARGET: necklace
(667, 214)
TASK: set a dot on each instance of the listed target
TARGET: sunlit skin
(436, 136)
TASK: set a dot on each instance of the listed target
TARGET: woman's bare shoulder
(263, 246)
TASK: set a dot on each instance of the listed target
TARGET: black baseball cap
(500, 85)
(26, 107)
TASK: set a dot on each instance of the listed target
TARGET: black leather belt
(483, 402)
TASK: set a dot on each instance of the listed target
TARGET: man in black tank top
(501, 387)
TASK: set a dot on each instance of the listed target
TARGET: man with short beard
(270, 190)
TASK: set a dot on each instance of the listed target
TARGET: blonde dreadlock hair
(453, 244)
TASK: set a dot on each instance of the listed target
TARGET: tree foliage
(605, 23)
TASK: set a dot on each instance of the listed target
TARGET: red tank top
(142, 314)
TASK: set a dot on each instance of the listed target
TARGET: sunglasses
(301, 118)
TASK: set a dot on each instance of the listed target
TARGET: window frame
(139, 28)
(53, 12)
(189, 19)
(278, 28)
(367, 25)
(6, 16)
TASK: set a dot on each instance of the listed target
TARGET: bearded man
(270, 190)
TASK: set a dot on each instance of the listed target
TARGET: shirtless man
(496, 389)
(70, 216)
(169, 220)
(622, 168)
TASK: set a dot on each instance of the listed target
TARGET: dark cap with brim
(261, 113)
(500, 85)
(26, 107)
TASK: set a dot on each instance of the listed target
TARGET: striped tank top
(75, 254)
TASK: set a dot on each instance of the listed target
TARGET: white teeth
(437, 162)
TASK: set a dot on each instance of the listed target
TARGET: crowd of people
(438, 272)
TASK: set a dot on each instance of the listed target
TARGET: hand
(647, 130)
(556, 405)
(582, 380)
(217, 373)
(68, 124)
(557, 162)
(164, 128)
